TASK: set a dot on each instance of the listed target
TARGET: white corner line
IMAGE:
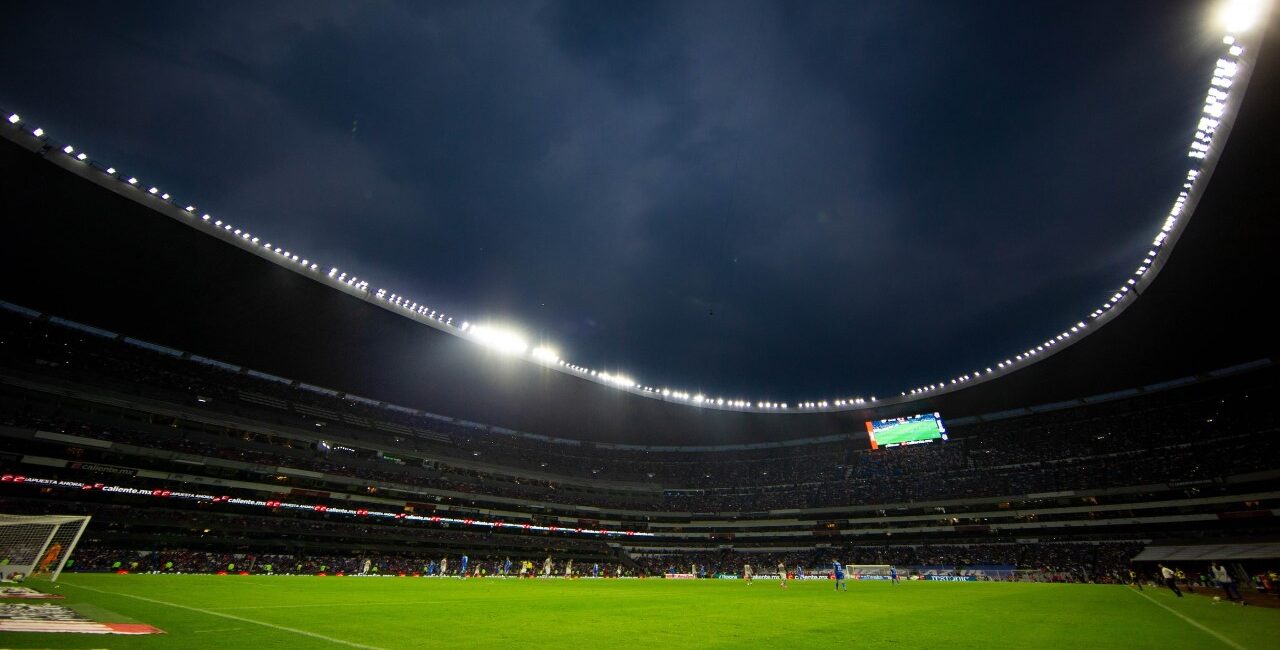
(1184, 617)
(273, 626)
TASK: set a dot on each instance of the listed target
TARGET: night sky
(778, 200)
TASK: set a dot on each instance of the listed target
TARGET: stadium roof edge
(989, 417)
(1207, 148)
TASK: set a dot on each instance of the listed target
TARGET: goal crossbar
(38, 545)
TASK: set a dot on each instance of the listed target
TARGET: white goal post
(868, 571)
(39, 545)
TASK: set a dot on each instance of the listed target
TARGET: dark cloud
(759, 199)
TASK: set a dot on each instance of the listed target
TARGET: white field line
(360, 604)
(273, 626)
(1184, 617)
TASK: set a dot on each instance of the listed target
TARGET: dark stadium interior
(214, 411)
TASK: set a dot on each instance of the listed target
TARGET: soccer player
(49, 557)
(506, 567)
(546, 567)
(1167, 574)
(746, 573)
(893, 575)
(462, 571)
(568, 569)
(444, 565)
(595, 570)
(1224, 580)
(1182, 577)
(839, 575)
(782, 575)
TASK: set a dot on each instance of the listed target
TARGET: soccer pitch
(908, 431)
(335, 612)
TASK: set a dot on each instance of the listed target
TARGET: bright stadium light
(38, 133)
(544, 353)
(1240, 15)
(14, 119)
(501, 339)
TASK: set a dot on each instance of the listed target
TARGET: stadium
(209, 437)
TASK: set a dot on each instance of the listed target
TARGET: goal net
(868, 571)
(37, 546)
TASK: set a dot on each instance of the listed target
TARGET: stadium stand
(1065, 494)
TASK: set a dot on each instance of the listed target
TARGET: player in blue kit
(506, 567)
(839, 571)
(893, 575)
(462, 572)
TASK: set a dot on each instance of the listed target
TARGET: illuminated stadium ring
(1222, 102)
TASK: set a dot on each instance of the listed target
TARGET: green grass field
(249, 612)
(907, 431)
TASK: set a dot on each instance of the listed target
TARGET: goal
(38, 546)
(868, 571)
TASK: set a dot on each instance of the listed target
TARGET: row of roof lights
(510, 341)
(1215, 107)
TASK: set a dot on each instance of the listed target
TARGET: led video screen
(910, 430)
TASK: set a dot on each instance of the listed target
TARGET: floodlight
(14, 119)
(68, 149)
(1240, 15)
(81, 157)
(38, 133)
(501, 339)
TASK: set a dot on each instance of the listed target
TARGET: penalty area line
(1188, 619)
(233, 617)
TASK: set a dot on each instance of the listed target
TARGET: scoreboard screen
(910, 430)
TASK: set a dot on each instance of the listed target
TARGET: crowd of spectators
(355, 563)
(1154, 439)
(958, 469)
(1058, 561)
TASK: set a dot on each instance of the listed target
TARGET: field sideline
(334, 612)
